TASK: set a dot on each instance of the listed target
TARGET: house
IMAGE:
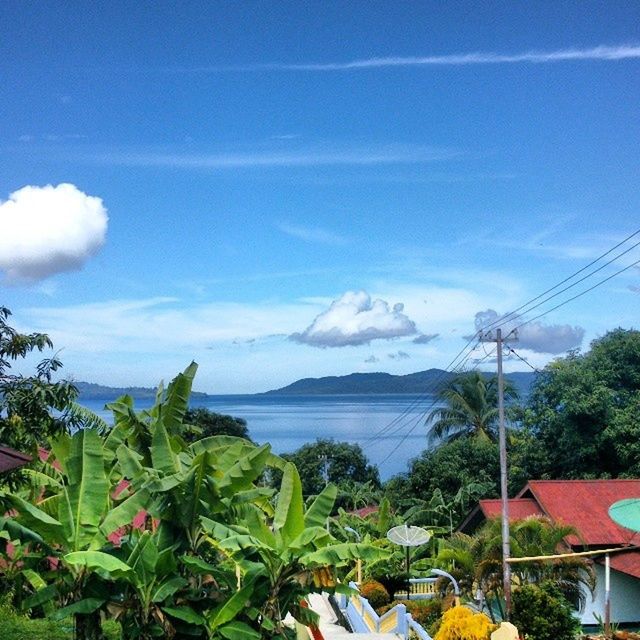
(12, 459)
(584, 505)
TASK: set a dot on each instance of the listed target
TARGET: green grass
(13, 626)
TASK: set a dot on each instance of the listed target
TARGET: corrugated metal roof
(11, 459)
(519, 508)
(625, 561)
(584, 504)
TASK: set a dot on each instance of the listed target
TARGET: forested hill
(90, 390)
(358, 383)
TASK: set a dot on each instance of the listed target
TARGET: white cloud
(535, 336)
(48, 230)
(312, 234)
(602, 52)
(355, 319)
(425, 338)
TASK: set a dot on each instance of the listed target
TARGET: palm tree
(470, 407)
(476, 561)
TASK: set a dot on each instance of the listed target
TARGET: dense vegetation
(171, 521)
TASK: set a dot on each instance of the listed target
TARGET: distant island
(92, 391)
(364, 383)
(352, 384)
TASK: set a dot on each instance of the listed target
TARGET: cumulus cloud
(535, 336)
(48, 230)
(355, 319)
(425, 338)
(400, 355)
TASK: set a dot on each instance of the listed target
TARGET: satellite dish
(626, 513)
(407, 536)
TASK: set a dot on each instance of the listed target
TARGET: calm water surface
(390, 428)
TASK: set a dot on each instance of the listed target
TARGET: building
(584, 505)
(12, 459)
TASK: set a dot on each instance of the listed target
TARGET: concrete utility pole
(506, 550)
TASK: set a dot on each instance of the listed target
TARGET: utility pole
(502, 438)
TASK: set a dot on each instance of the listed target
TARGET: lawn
(16, 627)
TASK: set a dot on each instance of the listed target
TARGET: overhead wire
(503, 319)
(454, 365)
(420, 417)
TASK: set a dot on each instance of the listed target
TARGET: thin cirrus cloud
(48, 230)
(355, 319)
(371, 155)
(610, 53)
(602, 52)
(314, 235)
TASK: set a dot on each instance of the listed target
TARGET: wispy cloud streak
(309, 158)
(312, 234)
(601, 52)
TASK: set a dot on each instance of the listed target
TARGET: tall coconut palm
(470, 407)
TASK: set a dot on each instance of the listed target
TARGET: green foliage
(212, 555)
(582, 417)
(32, 408)
(476, 561)
(341, 463)
(204, 423)
(375, 593)
(470, 408)
(542, 613)
(452, 476)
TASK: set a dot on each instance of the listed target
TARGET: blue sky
(304, 189)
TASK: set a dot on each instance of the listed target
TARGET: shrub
(375, 593)
(460, 623)
(542, 613)
(424, 612)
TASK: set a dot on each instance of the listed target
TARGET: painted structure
(584, 505)
(12, 459)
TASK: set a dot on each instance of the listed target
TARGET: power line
(517, 355)
(597, 284)
(504, 318)
(420, 417)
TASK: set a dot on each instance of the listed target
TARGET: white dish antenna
(408, 536)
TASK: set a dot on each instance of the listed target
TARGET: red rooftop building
(584, 505)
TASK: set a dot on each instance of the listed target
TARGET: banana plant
(76, 512)
(280, 562)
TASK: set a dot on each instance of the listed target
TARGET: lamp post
(358, 561)
(456, 588)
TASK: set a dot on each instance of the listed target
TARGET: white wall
(625, 598)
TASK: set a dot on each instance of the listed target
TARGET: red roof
(11, 459)
(584, 504)
(519, 508)
(625, 561)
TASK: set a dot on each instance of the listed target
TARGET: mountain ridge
(378, 382)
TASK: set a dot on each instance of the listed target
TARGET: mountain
(362, 383)
(90, 390)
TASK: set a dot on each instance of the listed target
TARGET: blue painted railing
(363, 618)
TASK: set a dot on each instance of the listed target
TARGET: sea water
(390, 428)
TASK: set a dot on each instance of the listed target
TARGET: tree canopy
(582, 418)
(326, 460)
(205, 423)
(469, 407)
(32, 408)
